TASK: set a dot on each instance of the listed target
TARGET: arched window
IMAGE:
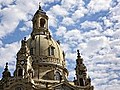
(20, 72)
(51, 50)
(57, 76)
(42, 22)
(18, 88)
(81, 82)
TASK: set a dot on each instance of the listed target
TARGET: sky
(92, 26)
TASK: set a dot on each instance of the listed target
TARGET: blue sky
(92, 26)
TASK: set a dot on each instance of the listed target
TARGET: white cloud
(72, 38)
(68, 4)
(91, 33)
(67, 21)
(4, 2)
(72, 74)
(27, 26)
(70, 56)
(108, 32)
(99, 5)
(23, 29)
(115, 13)
(61, 31)
(49, 1)
(95, 44)
(113, 87)
(91, 25)
(117, 34)
(8, 53)
(71, 3)
(66, 47)
(58, 10)
(107, 22)
(10, 15)
(52, 19)
(115, 42)
(79, 13)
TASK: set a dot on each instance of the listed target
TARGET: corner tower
(82, 80)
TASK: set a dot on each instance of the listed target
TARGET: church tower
(81, 73)
(40, 63)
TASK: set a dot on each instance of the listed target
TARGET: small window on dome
(51, 50)
(42, 22)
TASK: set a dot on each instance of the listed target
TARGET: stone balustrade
(46, 59)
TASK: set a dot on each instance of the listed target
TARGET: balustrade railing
(46, 59)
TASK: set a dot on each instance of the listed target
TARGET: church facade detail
(40, 63)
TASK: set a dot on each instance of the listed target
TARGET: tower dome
(46, 50)
(43, 48)
(47, 56)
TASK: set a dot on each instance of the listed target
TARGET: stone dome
(45, 50)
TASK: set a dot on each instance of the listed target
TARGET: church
(40, 63)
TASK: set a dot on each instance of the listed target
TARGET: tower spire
(6, 72)
(81, 79)
(78, 54)
(6, 67)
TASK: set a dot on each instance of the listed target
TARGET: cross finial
(24, 38)
(78, 53)
(6, 67)
(6, 63)
(39, 6)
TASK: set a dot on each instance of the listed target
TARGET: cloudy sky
(92, 26)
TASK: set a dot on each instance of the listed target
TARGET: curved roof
(41, 48)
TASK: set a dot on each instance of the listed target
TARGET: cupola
(40, 23)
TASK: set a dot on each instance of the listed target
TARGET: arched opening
(20, 72)
(57, 76)
(18, 88)
(81, 82)
(42, 22)
(51, 50)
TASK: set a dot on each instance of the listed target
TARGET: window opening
(57, 76)
(20, 72)
(51, 50)
(42, 22)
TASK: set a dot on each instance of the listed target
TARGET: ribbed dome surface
(41, 48)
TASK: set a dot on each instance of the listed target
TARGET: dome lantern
(40, 23)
